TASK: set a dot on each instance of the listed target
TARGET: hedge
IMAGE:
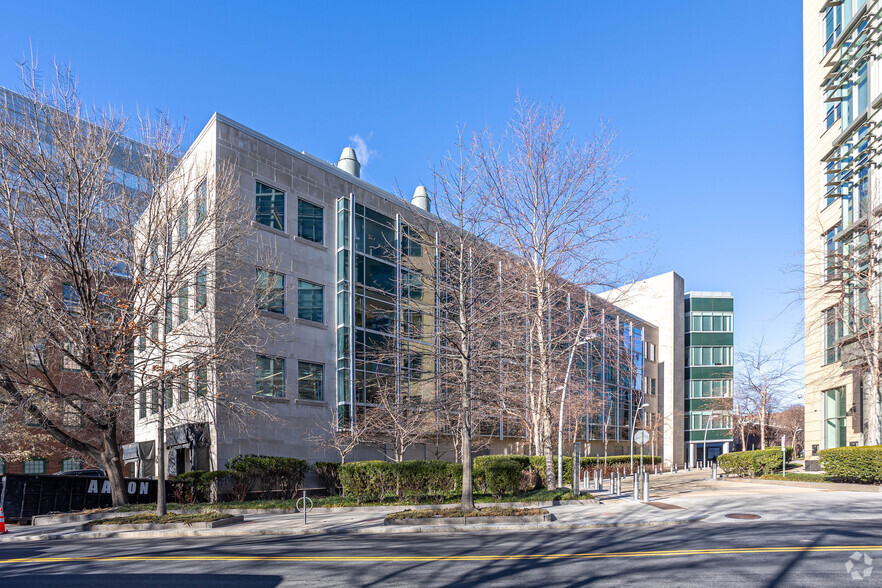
(853, 464)
(371, 481)
(754, 463)
(270, 474)
(328, 474)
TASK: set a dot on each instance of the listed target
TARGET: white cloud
(362, 151)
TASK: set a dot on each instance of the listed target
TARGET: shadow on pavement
(141, 580)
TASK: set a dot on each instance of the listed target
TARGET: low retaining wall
(161, 526)
(546, 518)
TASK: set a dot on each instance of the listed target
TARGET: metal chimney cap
(421, 199)
(349, 162)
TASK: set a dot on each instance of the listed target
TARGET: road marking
(409, 558)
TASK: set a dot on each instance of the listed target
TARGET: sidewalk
(681, 498)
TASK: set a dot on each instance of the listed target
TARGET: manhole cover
(742, 516)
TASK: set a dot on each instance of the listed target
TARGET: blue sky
(707, 98)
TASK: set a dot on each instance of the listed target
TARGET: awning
(189, 435)
(139, 450)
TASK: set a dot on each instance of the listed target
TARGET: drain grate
(665, 506)
(742, 516)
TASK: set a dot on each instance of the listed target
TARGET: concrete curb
(835, 486)
(62, 519)
(471, 521)
(232, 520)
(376, 530)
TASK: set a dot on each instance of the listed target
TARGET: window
(270, 376)
(36, 354)
(202, 381)
(201, 289)
(71, 298)
(71, 415)
(834, 108)
(310, 380)
(169, 316)
(142, 404)
(834, 418)
(169, 395)
(182, 222)
(310, 221)
(36, 465)
(833, 330)
(183, 388)
(154, 400)
(154, 331)
(710, 322)
(832, 26)
(201, 203)
(183, 305)
(710, 356)
(270, 205)
(68, 361)
(2, 466)
(71, 463)
(412, 324)
(310, 301)
(710, 388)
(271, 291)
(709, 420)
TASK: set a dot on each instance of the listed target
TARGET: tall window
(71, 297)
(154, 399)
(310, 301)
(201, 289)
(834, 418)
(169, 395)
(183, 388)
(72, 352)
(169, 316)
(310, 380)
(833, 330)
(35, 465)
(182, 222)
(201, 203)
(270, 376)
(310, 221)
(202, 381)
(271, 291)
(142, 404)
(183, 305)
(270, 205)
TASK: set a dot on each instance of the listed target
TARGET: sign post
(783, 457)
(641, 438)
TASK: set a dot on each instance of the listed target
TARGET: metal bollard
(646, 487)
(714, 471)
(636, 489)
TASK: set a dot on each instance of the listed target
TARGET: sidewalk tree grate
(742, 516)
(665, 506)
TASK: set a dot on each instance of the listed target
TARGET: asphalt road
(742, 553)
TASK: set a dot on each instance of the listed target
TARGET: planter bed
(170, 521)
(455, 516)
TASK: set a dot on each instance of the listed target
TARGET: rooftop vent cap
(421, 199)
(349, 162)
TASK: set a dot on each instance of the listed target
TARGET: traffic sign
(641, 437)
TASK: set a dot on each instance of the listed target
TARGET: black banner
(25, 496)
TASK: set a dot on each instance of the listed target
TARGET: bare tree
(556, 204)
(764, 379)
(113, 257)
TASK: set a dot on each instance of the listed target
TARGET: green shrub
(427, 479)
(853, 464)
(367, 481)
(503, 476)
(271, 475)
(328, 474)
(754, 463)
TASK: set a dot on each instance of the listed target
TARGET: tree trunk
(113, 466)
(468, 498)
(159, 451)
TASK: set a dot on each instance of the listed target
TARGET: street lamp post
(634, 424)
(706, 429)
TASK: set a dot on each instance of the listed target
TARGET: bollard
(714, 471)
(600, 483)
(636, 489)
(646, 487)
